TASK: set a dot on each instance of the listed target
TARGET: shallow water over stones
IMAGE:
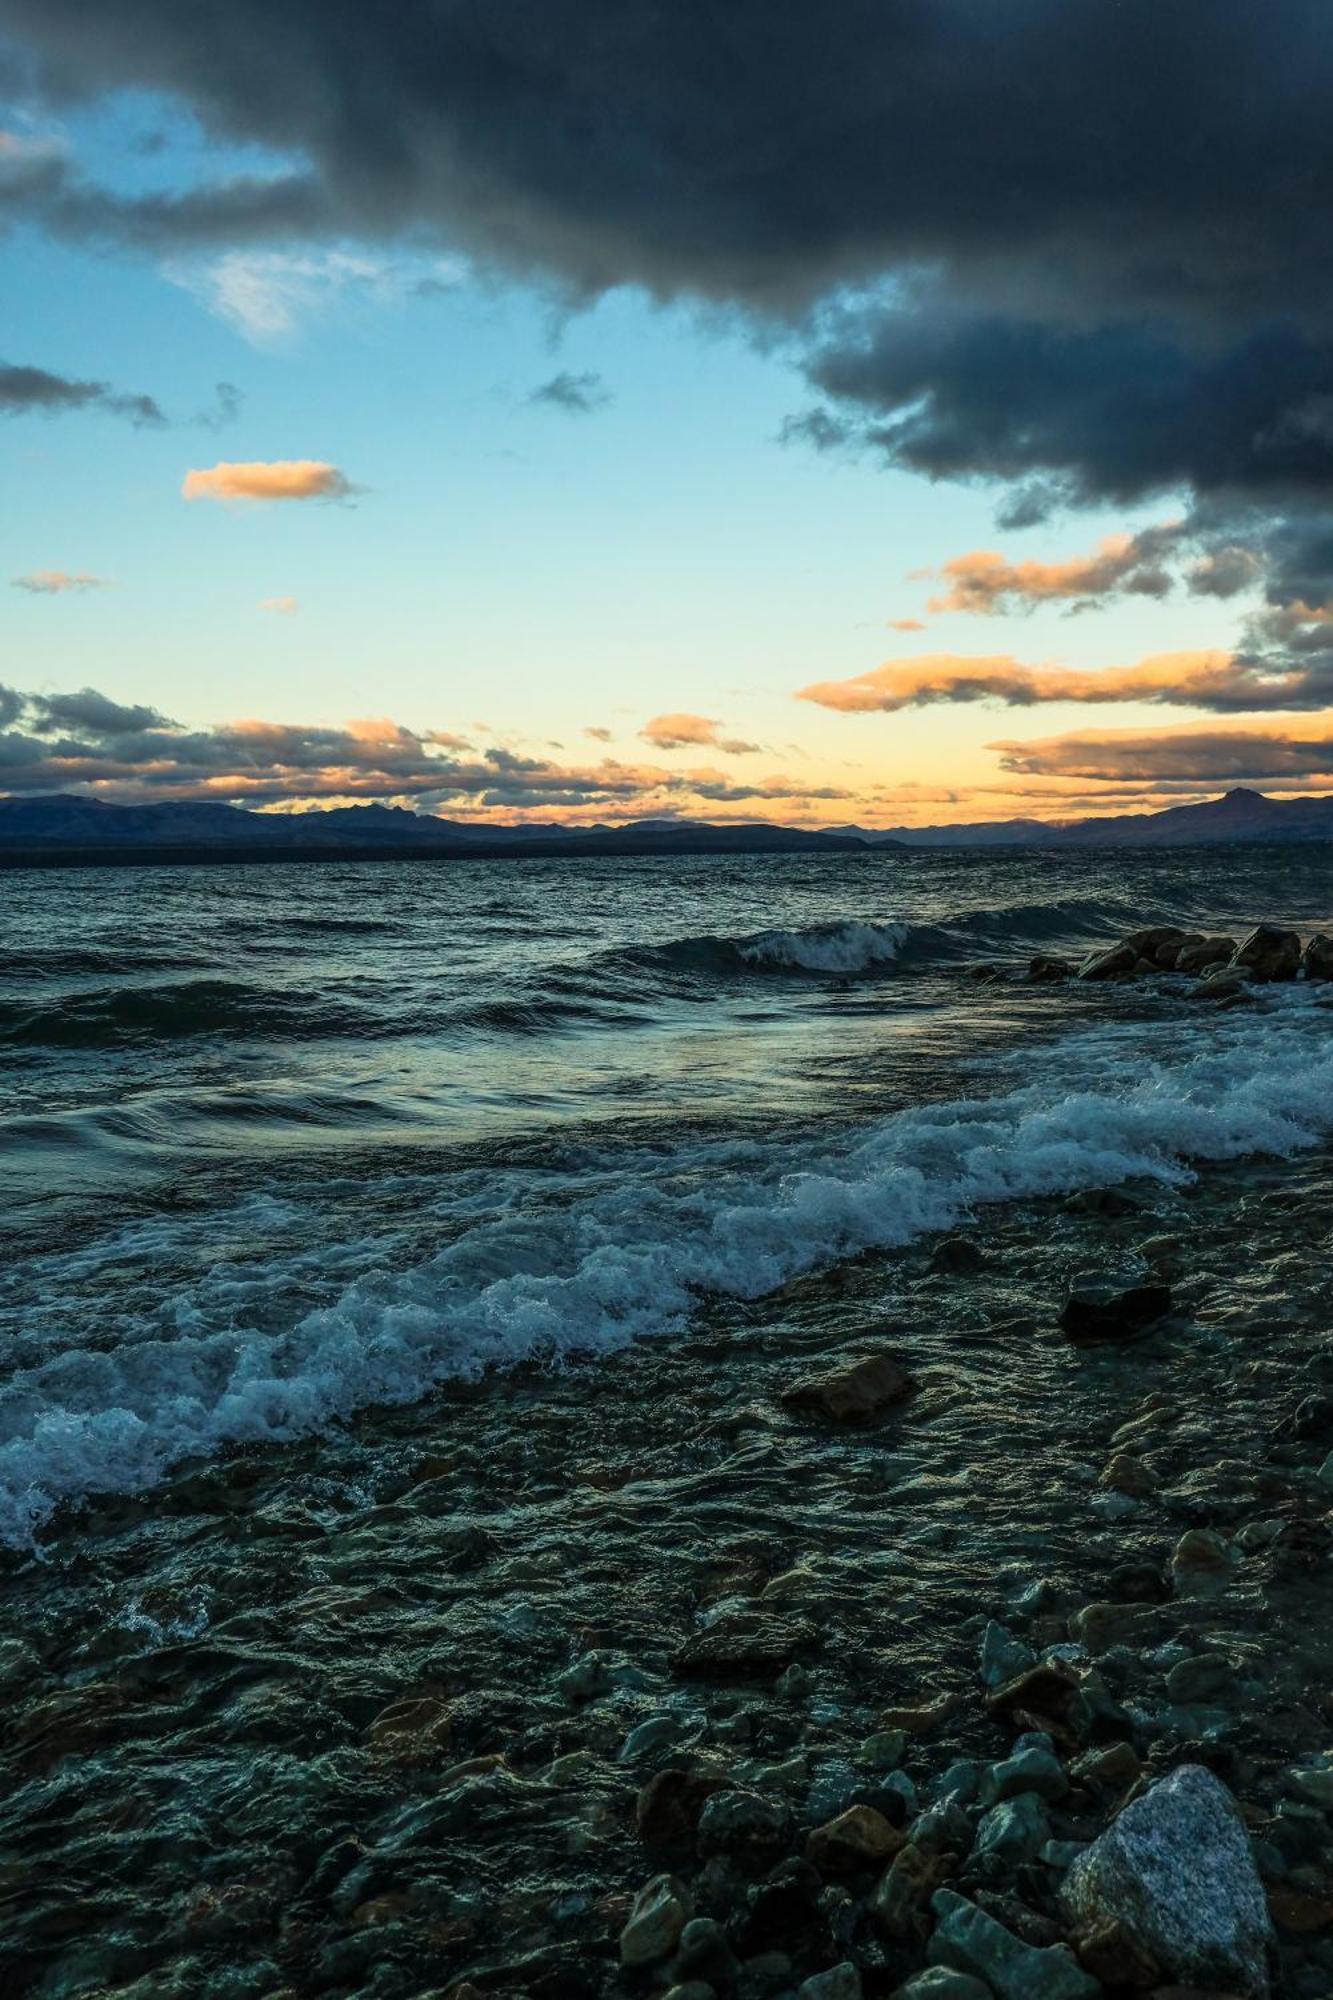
(370, 1715)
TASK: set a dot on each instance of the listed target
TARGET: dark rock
(859, 1838)
(852, 1394)
(783, 1907)
(1197, 954)
(1116, 963)
(1159, 937)
(958, 1256)
(666, 1813)
(745, 1826)
(1317, 958)
(1138, 1583)
(1222, 986)
(1046, 971)
(747, 1647)
(1096, 1313)
(706, 1955)
(1268, 953)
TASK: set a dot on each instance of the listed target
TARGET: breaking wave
(627, 1249)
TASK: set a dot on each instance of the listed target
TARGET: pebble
(1201, 1564)
(859, 1838)
(1032, 1766)
(1205, 1677)
(852, 1394)
(842, 1982)
(661, 1910)
(1003, 1655)
(745, 1825)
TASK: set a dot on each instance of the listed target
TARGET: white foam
(846, 947)
(631, 1247)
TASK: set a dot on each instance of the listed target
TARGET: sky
(884, 415)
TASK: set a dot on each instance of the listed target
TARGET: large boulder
(1175, 1878)
(1115, 963)
(1317, 958)
(1268, 953)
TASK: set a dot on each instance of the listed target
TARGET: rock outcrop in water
(1222, 967)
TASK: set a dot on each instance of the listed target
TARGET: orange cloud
(906, 625)
(1217, 680)
(283, 606)
(683, 731)
(268, 479)
(58, 582)
(984, 581)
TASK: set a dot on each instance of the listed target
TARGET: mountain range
(67, 827)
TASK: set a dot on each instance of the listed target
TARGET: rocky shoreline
(948, 1626)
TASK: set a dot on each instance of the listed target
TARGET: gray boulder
(1197, 954)
(1175, 1878)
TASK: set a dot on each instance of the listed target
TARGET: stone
(1220, 985)
(413, 1730)
(884, 1750)
(1197, 954)
(1003, 1655)
(1314, 1782)
(1205, 1677)
(969, 1940)
(959, 1257)
(1009, 1833)
(1159, 937)
(1126, 1474)
(648, 1737)
(660, 1913)
(1268, 953)
(666, 1813)
(841, 1982)
(1176, 1872)
(1046, 970)
(749, 1646)
(941, 1982)
(1115, 963)
(919, 1719)
(1201, 1564)
(705, 1955)
(904, 1889)
(1032, 1766)
(1100, 1627)
(1317, 958)
(857, 1839)
(1050, 1690)
(1112, 1769)
(586, 1680)
(853, 1394)
(745, 1825)
(1097, 1313)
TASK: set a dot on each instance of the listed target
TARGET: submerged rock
(852, 1394)
(1096, 1313)
(747, 1646)
(1175, 1874)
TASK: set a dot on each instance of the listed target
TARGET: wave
(631, 1248)
(106, 1017)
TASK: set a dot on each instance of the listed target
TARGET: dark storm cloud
(1086, 239)
(580, 395)
(26, 390)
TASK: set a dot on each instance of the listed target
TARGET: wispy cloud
(270, 296)
(1197, 756)
(578, 395)
(285, 607)
(26, 390)
(268, 479)
(59, 582)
